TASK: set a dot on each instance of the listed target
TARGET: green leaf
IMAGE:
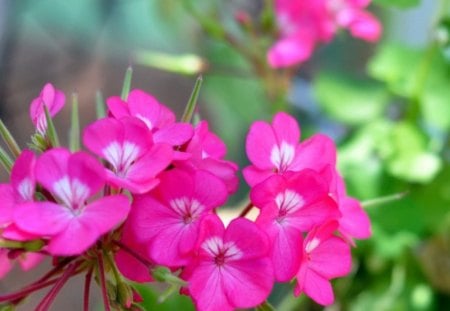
(100, 105)
(192, 103)
(126, 83)
(151, 296)
(435, 103)
(396, 65)
(187, 64)
(9, 140)
(5, 160)
(51, 131)
(398, 3)
(350, 100)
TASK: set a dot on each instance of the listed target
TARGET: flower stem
(246, 210)
(101, 269)
(87, 289)
(140, 258)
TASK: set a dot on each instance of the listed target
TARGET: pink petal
(117, 107)
(145, 107)
(5, 263)
(87, 170)
(209, 190)
(22, 176)
(365, 26)
(12, 232)
(100, 134)
(259, 144)
(286, 128)
(354, 222)
(30, 260)
(290, 51)
(134, 186)
(52, 167)
(254, 175)
(266, 191)
(6, 204)
(315, 153)
(175, 134)
(42, 218)
(316, 287)
(332, 258)
(247, 283)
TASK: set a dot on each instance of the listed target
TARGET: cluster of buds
(140, 205)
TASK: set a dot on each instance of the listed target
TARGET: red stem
(87, 289)
(246, 210)
(47, 301)
(101, 268)
(28, 290)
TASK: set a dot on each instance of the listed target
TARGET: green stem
(51, 131)
(384, 200)
(126, 83)
(9, 140)
(192, 103)
(5, 160)
(75, 125)
(99, 105)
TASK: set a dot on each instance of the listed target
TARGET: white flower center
(311, 245)
(121, 156)
(282, 156)
(26, 189)
(188, 209)
(221, 252)
(288, 202)
(72, 192)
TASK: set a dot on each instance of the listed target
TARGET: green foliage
(398, 3)
(150, 296)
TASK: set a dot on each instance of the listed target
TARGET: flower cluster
(304, 23)
(141, 203)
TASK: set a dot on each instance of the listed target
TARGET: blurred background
(387, 105)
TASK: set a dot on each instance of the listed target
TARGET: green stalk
(51, 131)
(9, 140)
(126, 83)
(265, 306)
(192, 103)
(384, 200)
(75, 125)
(5, 160)
(100, 105)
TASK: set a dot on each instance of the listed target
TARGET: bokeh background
(387, 105)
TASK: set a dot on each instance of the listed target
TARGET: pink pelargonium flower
(70, 223)
(52, 98)
(128, 147)
(207, 152)
(325, 257)
(5, 263)
(291, 204)
(26, 260)
(304, 23)
(275, 149)
(158, 118)
(232, 268)
(167, 219)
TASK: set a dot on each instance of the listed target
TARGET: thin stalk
(140, 258)
(126, 83)
(27, 290)
(192, 103)
(75, 125)
(9, 140)
(51, 131)
(100, 109)
(87, 289)
(50, 297)
(384, 200)
(246, 210)
(5, 160)
(101, 270)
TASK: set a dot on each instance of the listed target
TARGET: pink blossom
(159, 119)
(71, 223)
(167, 219)
(5, 263)
(128, 147)
(275, 149)
(291, 204)
(206, 152)
(232, 269)
(325, 257)
(303, 24)
(52, 98)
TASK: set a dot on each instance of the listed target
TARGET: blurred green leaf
(350, 100)
(398, 3)
(435, 102)
(187, 64)
(396, 65)
(150, 296)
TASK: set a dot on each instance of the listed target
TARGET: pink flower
(325, 257)
(304, 23)
(232, 269)
(159, 119)
(52, 98)
(291, 204)
(206, 152)
(71, 223)
(275, 149)
(5, 263)
(168, 218)
(128, 147)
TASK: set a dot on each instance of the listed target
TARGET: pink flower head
(128, 147)
(52, 98)
(71, 223)
(207, 152)
(325, 257)
(304, 23)
(168, 218)
(232, 269)
(291, 204)
(159, 119)
(275, 149)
